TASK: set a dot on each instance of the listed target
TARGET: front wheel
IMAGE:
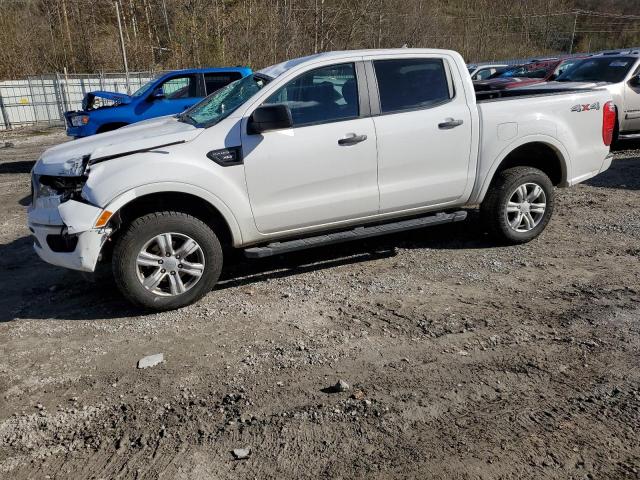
(518, 205)
(166, 260)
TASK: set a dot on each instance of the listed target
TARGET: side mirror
(635, 81)
(157, 94)
(270, 117)
(552, 77)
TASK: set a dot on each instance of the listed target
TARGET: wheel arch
(544, 153)
(181, 197)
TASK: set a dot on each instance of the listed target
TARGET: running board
(277, 248)
(629, 136)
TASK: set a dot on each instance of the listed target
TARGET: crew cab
(313, 151)
(527, 74)
(167, 94)
(619, 73)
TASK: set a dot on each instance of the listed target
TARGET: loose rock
(241, 453)
(151, 360)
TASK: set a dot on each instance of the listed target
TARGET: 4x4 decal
(586, 107)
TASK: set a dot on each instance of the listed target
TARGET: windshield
(225, 101)
(145, 88)
(526, 71)
(602, 69)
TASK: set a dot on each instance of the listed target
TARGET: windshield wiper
(186, 118)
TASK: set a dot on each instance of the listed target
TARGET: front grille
(62, 243)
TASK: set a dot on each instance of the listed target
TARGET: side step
(629, 136)
(277, 248)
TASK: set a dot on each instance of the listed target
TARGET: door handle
(352, 139)
(449, 123)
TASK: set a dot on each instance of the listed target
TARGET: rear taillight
(608, 122)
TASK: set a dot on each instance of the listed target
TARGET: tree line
(43, 36)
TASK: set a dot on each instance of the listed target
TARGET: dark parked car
(528, 74)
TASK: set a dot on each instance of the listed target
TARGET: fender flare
(481, 189)
(123, 199)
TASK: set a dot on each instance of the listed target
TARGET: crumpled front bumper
(81, 243)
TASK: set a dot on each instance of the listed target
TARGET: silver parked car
(620, 74)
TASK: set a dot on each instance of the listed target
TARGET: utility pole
(573, 34)
(166, 19)
(124, 51)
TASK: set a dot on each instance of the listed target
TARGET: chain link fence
(43, 99)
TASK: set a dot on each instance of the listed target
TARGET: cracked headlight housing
(74, 167)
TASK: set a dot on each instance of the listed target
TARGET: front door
(174, 95)
(423, 131)
(324, 169)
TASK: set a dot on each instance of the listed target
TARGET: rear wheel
(166, 260)
(518, 205)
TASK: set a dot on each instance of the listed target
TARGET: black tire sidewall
(143, 229)
(506, 184)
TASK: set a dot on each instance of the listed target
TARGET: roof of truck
(279, 68)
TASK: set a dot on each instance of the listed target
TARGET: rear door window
(410, 84)
(215, 81)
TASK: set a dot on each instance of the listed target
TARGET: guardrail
(43, 99)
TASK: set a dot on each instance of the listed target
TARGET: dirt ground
(464, 360)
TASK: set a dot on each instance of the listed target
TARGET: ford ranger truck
(167, 94)
(317, 150)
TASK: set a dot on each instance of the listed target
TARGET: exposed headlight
(74, 167)
(41, 190)
(79, 120)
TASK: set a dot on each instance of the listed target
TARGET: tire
(500, 217)
(157, 244)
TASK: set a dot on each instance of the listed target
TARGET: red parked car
(527, 74)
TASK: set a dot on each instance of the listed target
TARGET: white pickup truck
(312, 151)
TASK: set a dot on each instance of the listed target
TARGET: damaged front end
(78, 120)
(68, 231)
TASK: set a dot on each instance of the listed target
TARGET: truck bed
(485, 96)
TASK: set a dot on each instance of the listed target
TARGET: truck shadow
(23, 166)
(33, 289)
(624, 174)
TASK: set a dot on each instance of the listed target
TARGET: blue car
(165, 95)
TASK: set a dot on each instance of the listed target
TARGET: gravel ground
(461, 359)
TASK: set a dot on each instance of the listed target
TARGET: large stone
(151, 361)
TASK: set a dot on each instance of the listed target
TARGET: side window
(179, 87)
(215, 81)
(327, 94)
(485, 73)
(409, 84)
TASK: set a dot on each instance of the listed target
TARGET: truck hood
(145, 135)
(117, 98)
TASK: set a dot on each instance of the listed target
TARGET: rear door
(423, 128)
(324, 169)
